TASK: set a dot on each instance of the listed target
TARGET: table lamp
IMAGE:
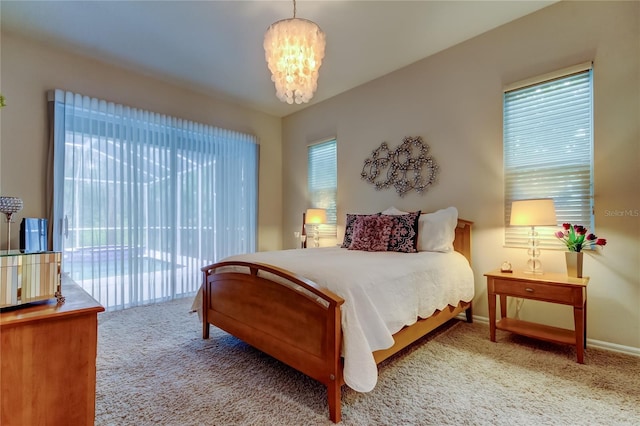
(9, 206)
(534, 212)
(313, 219)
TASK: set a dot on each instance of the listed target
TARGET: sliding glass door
(142, 201)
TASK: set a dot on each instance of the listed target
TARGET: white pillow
(392, 211)
(437, 230)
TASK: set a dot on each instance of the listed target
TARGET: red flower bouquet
(576, 238)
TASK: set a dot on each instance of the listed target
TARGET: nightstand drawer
(540, 291)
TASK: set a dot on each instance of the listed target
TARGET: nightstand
(547, 287)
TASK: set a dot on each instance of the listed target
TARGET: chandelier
(294, 49)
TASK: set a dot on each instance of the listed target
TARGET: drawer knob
(530, 290)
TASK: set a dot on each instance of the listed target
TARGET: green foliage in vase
(576, 238)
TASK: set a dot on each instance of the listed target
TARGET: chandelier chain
(294, 9)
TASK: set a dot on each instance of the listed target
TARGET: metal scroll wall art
(406, 168)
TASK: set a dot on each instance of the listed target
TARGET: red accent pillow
(371, 233)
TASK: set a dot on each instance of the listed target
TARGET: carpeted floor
(154, 368)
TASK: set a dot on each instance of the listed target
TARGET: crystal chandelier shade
(9, 206)
(294, 49)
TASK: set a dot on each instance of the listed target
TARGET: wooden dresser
(48, 361)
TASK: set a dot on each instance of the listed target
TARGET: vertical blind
(323, 182)
(548, 151)
(142, 200)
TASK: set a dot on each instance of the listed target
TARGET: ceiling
(215, 47)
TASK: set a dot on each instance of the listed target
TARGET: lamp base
(534, 266)
(313, 231)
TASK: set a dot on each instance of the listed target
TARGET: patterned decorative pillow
(371, 233)
(348, 229)
(404, 233)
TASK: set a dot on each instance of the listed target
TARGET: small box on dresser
(28, 277)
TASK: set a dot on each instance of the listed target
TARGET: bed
(286, 304)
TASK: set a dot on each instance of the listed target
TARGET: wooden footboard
(283, 315)
(297, 322)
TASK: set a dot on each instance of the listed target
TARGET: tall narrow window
(548, 149)
(142, 201)
(323, 182)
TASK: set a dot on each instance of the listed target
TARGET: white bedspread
(383, 292)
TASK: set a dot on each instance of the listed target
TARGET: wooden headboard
(462, 242)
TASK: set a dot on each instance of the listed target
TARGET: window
(323, 182)
(548, 149)
(142, 201)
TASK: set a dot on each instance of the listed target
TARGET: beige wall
(30, 69)
(454, 101)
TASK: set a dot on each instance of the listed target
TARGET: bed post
(462, 244)
(462, 241)
(469, 312)
(205, 304)
(304, 230)
(334, 358)
(334, 397)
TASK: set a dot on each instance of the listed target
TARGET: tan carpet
(154, 368)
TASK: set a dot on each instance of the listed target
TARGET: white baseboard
(613, 347)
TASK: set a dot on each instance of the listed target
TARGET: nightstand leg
(585, 317)
(503, 306)
(578, 317)
(492, 317)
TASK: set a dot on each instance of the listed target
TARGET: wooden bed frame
(293, 326)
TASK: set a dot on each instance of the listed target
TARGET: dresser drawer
(539, 291)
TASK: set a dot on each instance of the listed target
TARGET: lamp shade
(316, 216)
(294, 49)
(535, 212)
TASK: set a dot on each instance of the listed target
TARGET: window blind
(548, 152)
(323, 182)
(143, 200)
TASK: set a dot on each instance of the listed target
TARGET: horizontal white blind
(323, 182)
(548, 152)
